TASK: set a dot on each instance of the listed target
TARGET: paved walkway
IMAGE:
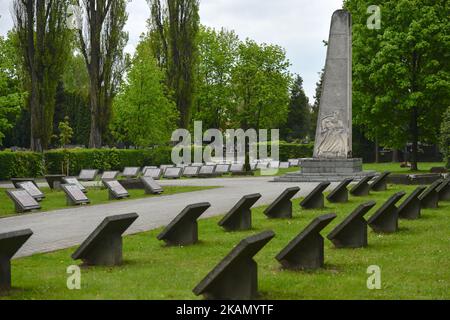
(69, 227)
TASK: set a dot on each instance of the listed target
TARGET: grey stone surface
(16, 181)
(131, 172)
(334, 124)
(315, 200)
(10, 243)
(207, 171)
(191, 171)
(282, 206)
(104, 245)
(362, 188)
(294, 162)
(151, 186)
(54, 181)
(237, 167)
(173, 173)
(430, 197)
(109, 175)
(306, 251)
(284, 165)
(183, 230)
(352, 232)
(32, 189)
(340, 193)
(23, 201)
(222, 168)
(74, 195)
(236, 276)
(74, 181)
(115, 190)
(240, 216)
(411, 207)
(154, 173)
(443, 190)
(380, 182)
(87, 175)
(385, 219)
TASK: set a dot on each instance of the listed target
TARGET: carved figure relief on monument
(333, 137)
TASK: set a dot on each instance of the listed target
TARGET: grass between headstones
(414, 262)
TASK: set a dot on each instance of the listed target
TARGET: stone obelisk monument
(332, 160)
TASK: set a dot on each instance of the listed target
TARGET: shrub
(20, 164)
(293, 150)
(445, 137)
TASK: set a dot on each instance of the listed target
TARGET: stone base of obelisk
(332, 170)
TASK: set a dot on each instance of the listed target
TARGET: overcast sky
(297, 25)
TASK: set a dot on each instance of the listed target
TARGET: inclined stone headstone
(340, 193)
(197, 164)
(155, 174)
(115, 190)
(237, 168)
(253, 166)
(362, 188)
(207, 171)
(380, 182)
(110, 175)
(74, 195)
(148, 167)
(32, 189)
(163, 167)
(183, 230)
(294, 162)
(23, 201)
(55, 181)
(103, 247)
(274, 164)
(191, 171)
(131, 172)
(222, 168)
(173, 173)
(352, 232)
(315, 200)
(282, 206)
(385, 219)
(150, 186)
(10, 243)
(284, 165)
(240, 216)
(87, 175)
(73, 180)
(236, 276)
(430, 197)
(306, 251)
(411, 208)
(16, 181)
(443, 190)
(262, 165)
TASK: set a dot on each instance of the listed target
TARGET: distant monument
(332, 159)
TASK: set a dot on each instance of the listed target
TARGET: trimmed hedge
(30, 164)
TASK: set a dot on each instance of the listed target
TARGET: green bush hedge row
(30, 164)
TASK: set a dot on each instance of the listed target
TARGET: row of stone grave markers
(235, 276)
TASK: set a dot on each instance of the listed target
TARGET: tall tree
(42, 39)
(175, 24)
(102, 42)
(316, 105)
(298, 125)
(401, 71)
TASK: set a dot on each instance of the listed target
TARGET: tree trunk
(377, 151)
(415, 139)
(95, 136)
(395, 155)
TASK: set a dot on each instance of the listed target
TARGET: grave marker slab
(23, 201)
(352, 232)
(222, 168)
(284, 165)
(306, 251)
(340, 193)
(262, 165)
(110, 175)
(380, 182)
(282, 206)
(173, 173)
(207, 171)
(443, 190)
(55, 181)
(191, 171)
(183, 230)
(16, 181)
(362, 188)
(155, 174)
(294, 162)
(385, 219)
(103, 247)
(430, 197)
(88, 175)
(163, 167)
(10, 243)
(131, 172)
(315, 200)
(236, 276)
(150, 186)
(74, 195)
(274, 164)
(115, 190)
(237, 168)
(74, 181)
(240, 216)
(32, 189)
(411, 208)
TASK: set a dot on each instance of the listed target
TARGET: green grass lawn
(415, 262)
(424, 167)
(57, 199)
